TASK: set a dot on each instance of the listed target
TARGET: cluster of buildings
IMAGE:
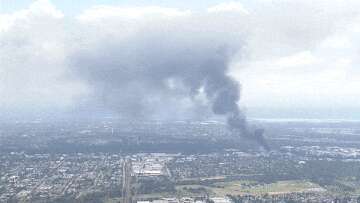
(48, 177)
(294, 197)
(188, 200)
(153, 164)
(216, 164)
(54, 176)
(323, 151)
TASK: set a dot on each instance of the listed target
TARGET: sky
(290, 57)
(73, 8)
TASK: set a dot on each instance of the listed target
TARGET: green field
(252, 187)
(238, 188)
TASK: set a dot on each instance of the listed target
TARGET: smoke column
(166, 68)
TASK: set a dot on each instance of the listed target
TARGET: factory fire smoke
(237, 122)
(175, 68)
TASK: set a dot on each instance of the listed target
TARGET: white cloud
(293, 52)
(97, 13)
(32, 59)
(304, 58)
(228, 7)
(40, 9)
(44, 8)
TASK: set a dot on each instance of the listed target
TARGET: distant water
(305, 120)
(304, 114)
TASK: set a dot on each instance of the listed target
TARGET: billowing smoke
(175, 67)
(168, 63)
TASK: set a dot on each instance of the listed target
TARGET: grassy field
(113, 200)
(193, 190)
(251, 187)
(349, 185)
(238, 188)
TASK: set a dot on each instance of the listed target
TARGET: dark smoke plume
(168, 69)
